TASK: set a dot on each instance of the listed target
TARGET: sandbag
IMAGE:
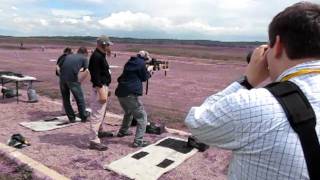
(32, 95)
(195, 143)
(9, 93)
(153, 128)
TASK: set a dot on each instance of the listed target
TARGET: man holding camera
(128, 91)
(249, 120)
(100, 78)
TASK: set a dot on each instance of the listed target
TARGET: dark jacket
(130, 81)
(99, 69)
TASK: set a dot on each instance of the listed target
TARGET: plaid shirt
(254, 126)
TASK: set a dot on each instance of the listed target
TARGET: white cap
(104, 40)
(144, 54)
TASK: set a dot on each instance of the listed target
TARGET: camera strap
(299, 73)
(302, 119)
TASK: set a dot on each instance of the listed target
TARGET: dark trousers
(75, 88)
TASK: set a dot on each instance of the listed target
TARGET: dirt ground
(187, 84)
(66, 150)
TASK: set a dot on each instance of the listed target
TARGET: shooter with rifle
(128, 91)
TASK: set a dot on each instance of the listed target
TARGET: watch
(244, 82)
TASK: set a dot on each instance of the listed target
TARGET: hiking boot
(98, 146)
(140, 144)
(84, 120)
(122, 134)
(86, 117)
(103, 134)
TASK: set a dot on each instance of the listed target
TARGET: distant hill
(91, 40)
(186, 42)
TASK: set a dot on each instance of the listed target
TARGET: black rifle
(157, 66)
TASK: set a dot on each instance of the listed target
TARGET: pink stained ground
(187, 84)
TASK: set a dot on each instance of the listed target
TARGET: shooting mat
(49, 124)
(154, 160)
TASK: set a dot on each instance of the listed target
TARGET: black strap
(302, 119)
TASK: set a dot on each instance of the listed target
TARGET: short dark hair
(82, 50)
(67, 50)
(299, 29)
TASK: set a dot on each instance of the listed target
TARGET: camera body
(248, 58)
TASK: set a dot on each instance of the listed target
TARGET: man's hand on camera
(257, 69)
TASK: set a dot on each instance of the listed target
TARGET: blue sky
(224, 20)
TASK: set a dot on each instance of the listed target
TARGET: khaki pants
(96, 117)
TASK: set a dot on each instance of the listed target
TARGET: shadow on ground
(66, 139)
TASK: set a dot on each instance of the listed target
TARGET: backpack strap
(302, 119)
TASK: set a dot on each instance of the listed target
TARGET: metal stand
(17, 91)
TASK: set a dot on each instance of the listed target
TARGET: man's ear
(278, 47)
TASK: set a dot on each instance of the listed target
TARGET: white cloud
(184, 19)
(129, 21)
(70, 13)
(69, 21)
(44, 22)
(95, 1)
(133, 21)
(86, 18)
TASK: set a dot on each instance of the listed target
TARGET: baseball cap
(104, 40)
(144, 54)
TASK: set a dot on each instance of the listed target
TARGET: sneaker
(141, 144)
(122, 134)
(98, 146)
(102, 134)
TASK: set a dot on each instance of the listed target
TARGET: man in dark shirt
(60, 62)
(128, 91)
(69, 82)
(100, 78)
(61, 59)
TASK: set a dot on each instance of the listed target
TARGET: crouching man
(128, 91)
(69, 81)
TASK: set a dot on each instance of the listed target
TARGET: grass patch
(17, 172)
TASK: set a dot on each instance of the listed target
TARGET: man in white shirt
(249, 120)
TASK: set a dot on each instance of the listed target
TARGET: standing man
(249, 120)
(69, 81)
(60, 62)
(128, 91)
(100, 78)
